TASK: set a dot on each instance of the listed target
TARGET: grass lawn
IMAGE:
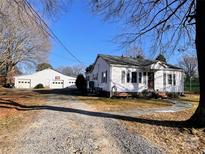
(106, 104)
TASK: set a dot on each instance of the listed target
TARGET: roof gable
(48, 70)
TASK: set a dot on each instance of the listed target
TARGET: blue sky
(86, 35)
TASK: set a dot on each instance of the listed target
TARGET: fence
(192, 86)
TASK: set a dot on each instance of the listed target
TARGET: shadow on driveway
(65, 91)
(14, 105)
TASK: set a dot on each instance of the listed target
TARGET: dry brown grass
(174, 139)
(158, 130)
(11, 119)
(168, 135)
(193, 98)
(106, 104)
(190, 97)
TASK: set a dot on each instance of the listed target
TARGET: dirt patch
(106, 104)
(167, 134)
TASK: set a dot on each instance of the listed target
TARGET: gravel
(130, 143)
(61, 129)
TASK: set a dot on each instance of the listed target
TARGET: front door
(150, 80)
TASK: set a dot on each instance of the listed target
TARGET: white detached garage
(49, 78)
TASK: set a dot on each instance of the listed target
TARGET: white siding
(114, 77)
(159, 85)
(96, 74)
(46, 77)
(157, 66)
(139, 87)
(126, 87)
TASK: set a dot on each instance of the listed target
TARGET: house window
(128, 77)
(174, 79)
(123, 77)
(140, 77)
(169, 78)
(134, 77)
(145, 78)
(164, 79)
(104, 77)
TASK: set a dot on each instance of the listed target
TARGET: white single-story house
(126, 74)
(49, 78)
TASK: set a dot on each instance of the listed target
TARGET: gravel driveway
(70, 126)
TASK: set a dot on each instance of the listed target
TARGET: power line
(61, 57)
(50, 32)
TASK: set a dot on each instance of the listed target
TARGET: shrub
(81, 83)
(172, 95)
(148, 93)
(39, 86)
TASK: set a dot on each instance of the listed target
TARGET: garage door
(24, 83)
(57, 84)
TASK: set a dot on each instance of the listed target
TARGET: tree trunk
(9, 73)
(198, 118)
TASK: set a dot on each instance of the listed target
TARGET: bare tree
(168, 24)
(189, 65)
(27, 9)
(135, 52)
(20, 43)
(72, 70)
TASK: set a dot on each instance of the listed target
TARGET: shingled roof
(121, 60)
